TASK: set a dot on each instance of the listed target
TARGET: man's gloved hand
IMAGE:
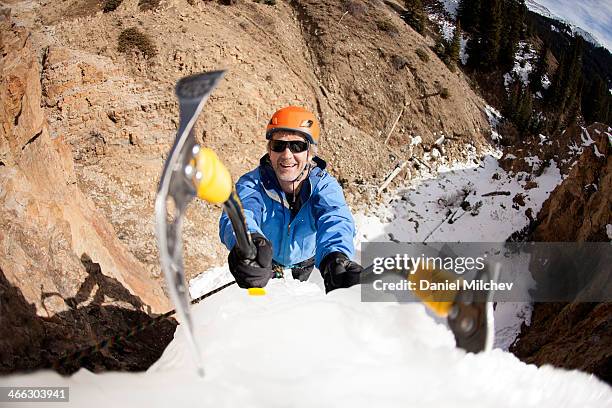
(252, 273)
(339, 272)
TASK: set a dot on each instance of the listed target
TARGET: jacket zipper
(286, 244)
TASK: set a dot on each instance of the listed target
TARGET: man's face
(286, 164)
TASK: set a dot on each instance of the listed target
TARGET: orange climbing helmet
(295, 119)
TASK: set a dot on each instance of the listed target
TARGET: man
(295, 210)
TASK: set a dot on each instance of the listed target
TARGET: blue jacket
(322, 225)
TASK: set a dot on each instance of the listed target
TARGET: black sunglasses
(295, 146)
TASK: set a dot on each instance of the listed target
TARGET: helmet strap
(307, 167)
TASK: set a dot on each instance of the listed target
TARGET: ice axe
(469, 313)
(193, 171)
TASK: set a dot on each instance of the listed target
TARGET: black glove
(252, 273)
(339, 272)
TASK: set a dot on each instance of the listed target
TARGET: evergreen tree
(512, 102)
(555, 91)
(415, 15)
(510, 33)
(574, 75)
(491, 35)
(564, 94)
(573, 104)
(522, 13)
(524, 112)
(441, 49)
(595, 106)
(588, 104)
(473, 49)
(535, 77)
(469, 14)
(519, 107)
(455, 46)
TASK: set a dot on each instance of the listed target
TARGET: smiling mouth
(287, 166)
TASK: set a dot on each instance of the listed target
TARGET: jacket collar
(268, 177)
(265, 161)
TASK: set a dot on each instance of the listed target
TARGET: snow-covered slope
(451, 7)
(298, 347)
(540, 9)
(421, 210)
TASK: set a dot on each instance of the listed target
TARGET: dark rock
(574, 335)
(29, 342)
(518, 200)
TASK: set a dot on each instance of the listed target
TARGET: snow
(298, 347)
(495, 118)
(463, 55)
(587, 141)
(543, 139)
(508, 80)
(451, 7)
(447, 28)
(545, 81)
(524, 60)
(573, 29)
(575, 149)
(211, 279)
(586, 138)
(493, 115)
(586, 35)
(420, 200)
(597, 152)
(448, 31)
(538, 8)
(533, 161)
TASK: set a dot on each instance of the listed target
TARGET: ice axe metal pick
(191, 171)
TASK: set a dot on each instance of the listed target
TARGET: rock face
(579, 208)
(57, 251)
(575, 335)
(355, 63)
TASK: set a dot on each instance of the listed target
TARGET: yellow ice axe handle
(213, 183)
(211, 179)
(431, 298)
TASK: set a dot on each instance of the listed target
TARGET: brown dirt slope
(352, 62)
